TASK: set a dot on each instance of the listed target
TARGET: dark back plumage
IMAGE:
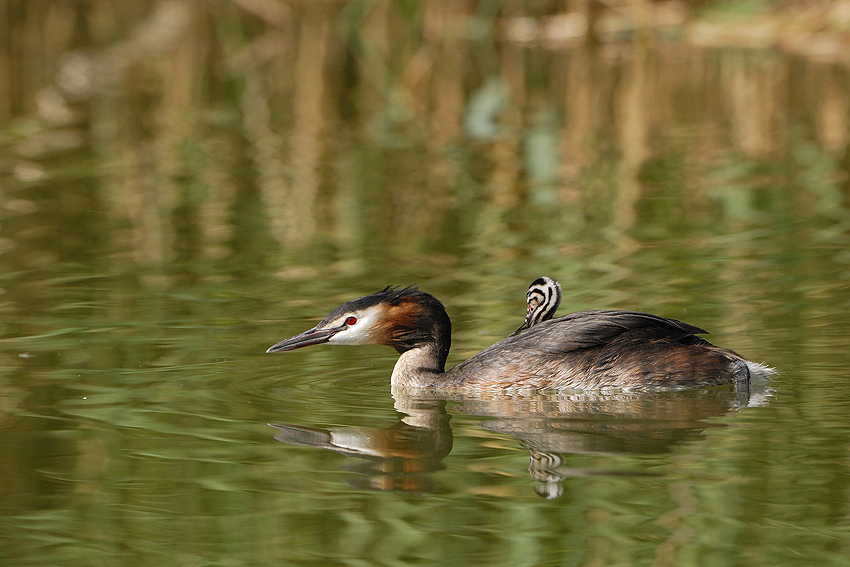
(586, 329)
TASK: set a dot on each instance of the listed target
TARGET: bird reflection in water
(396, 458)
(553, 427)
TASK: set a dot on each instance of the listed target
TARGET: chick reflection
(554, 427)
(396, 458)
(551, 426)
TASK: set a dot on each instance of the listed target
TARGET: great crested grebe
(584, 350)
(543, 298)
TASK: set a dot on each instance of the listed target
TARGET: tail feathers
(759, 373)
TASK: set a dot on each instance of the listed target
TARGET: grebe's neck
(420, 367)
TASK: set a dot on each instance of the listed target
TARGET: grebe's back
(605, 349)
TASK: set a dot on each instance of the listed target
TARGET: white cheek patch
(360, 333)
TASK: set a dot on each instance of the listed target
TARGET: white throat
(416, 367)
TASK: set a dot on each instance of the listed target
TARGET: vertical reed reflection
(581, 101)
(267, 146)
(754, 86)
(832, 120)
(299, 211)
(636, 105)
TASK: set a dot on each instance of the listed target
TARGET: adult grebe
(584, 350)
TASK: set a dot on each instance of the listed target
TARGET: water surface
(163, 225)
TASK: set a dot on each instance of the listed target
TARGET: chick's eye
(350, 320)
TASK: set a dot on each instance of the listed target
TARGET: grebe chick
(543, 298)
(584, 350)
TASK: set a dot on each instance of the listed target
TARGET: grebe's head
(403, 318)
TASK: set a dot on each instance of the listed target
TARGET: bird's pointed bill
(311, 337)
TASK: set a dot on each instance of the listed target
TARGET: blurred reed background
(265, 132)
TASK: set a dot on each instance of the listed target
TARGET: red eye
(350, 320)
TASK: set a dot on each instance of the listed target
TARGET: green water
(157, 238)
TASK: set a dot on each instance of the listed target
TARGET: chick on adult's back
(542, 300)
